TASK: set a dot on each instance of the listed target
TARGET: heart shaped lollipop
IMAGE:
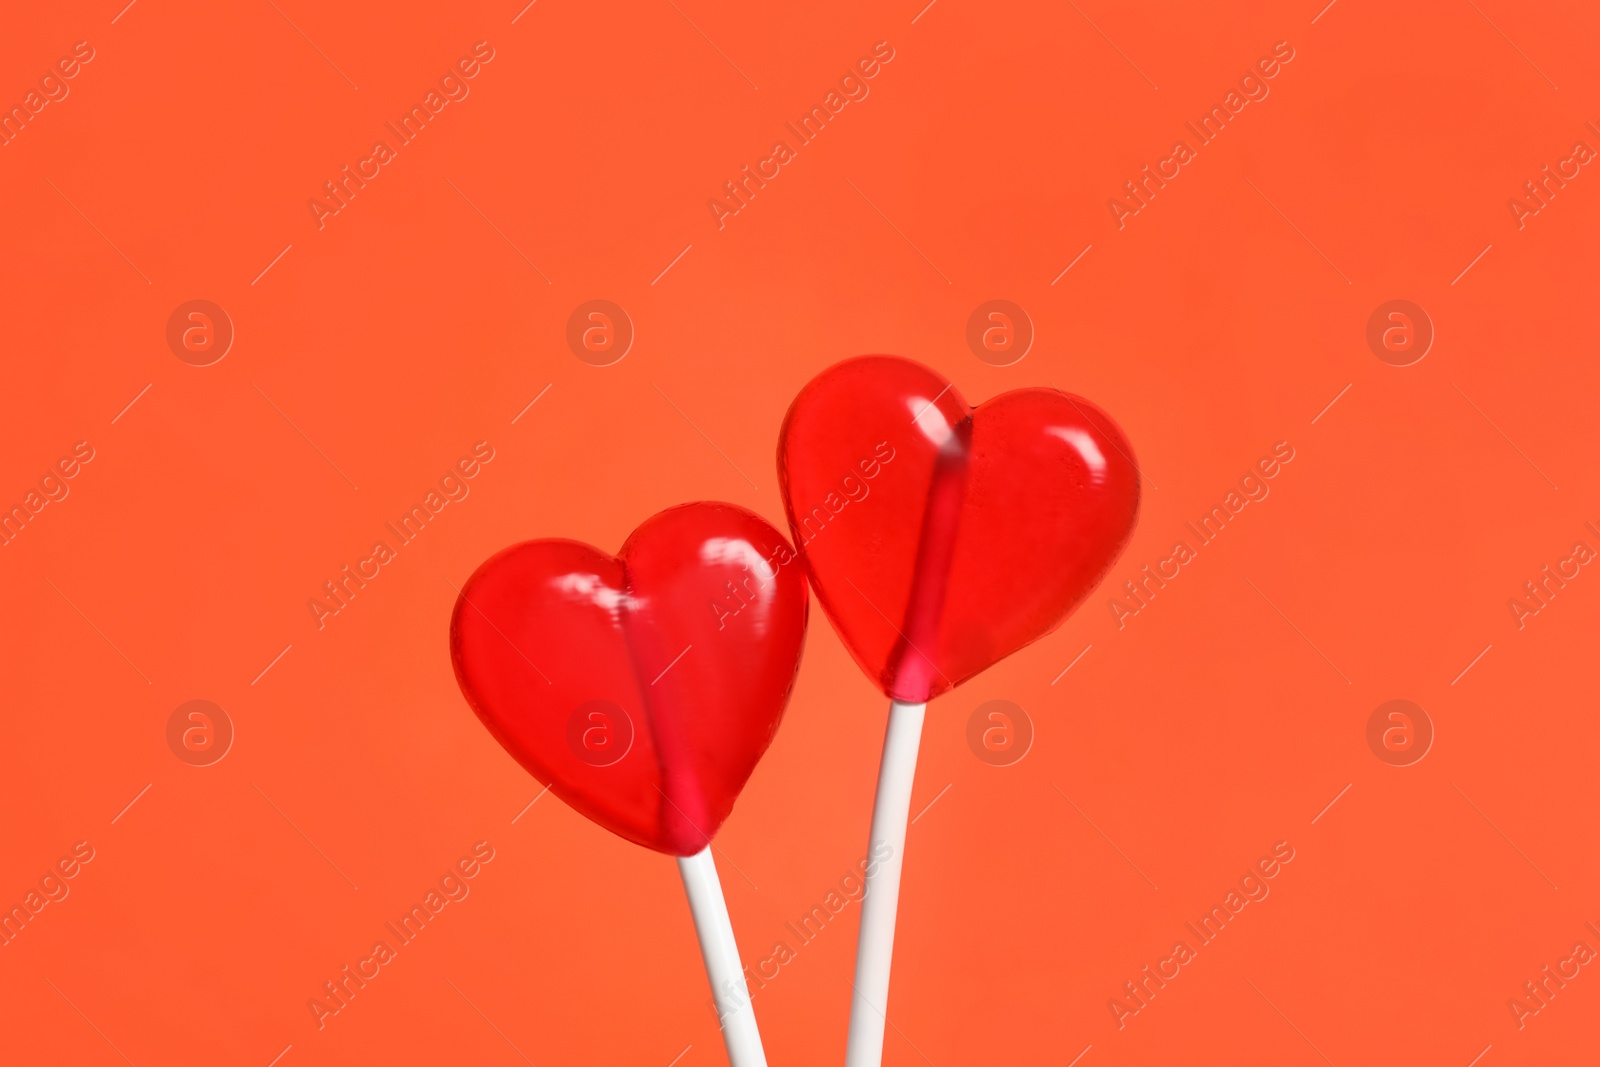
(642, 687)
(941, 537)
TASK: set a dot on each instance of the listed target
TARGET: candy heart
(642, 687)
(941, 537)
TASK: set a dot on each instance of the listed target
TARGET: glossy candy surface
(642, 687)
(941, 537)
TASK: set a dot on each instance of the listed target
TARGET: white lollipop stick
(875, 946)
(721, 954)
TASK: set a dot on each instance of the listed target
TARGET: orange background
(1220, 720)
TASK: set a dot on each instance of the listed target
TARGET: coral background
(377, 350)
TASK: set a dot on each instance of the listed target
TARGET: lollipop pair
(644, 687)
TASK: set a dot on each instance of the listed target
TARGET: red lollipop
(941, 538)
(644, 687)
